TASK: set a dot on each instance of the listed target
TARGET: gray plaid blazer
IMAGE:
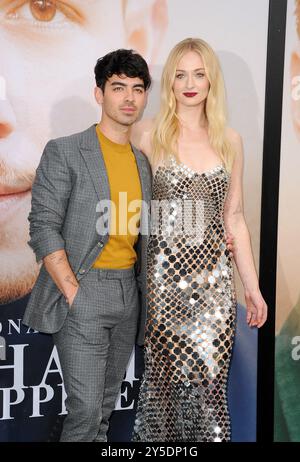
(70, 181)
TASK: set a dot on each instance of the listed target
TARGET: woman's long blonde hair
(167, 126)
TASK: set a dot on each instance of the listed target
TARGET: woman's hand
(230, 244)
(257, 310)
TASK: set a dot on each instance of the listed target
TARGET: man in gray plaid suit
(90, 292)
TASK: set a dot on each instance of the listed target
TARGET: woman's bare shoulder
(236, 142)
(141, 135)
(233, 136)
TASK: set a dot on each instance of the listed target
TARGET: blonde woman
(197, 164)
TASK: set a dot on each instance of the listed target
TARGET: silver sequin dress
(191, 310)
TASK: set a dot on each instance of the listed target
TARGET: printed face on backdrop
(295, 76)
(48, 52)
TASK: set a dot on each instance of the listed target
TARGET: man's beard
(18, 273)
(18, 268)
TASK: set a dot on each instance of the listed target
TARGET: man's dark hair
(121, 62)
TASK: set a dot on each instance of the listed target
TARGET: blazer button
(81, 271)
(100, 244)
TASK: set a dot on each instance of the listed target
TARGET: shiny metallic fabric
(191, 310)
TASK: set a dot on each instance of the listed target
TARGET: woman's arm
(235, 224)
(140, 136)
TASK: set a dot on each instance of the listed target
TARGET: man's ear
(98, 95)
(295, 74)
(146, 22)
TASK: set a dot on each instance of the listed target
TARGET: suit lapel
(143, 173)
(92, 154)
(146, 189)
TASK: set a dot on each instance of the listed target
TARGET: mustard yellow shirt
(126, 196)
